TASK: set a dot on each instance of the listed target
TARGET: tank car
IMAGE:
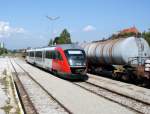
(124, 57)
(67, 61)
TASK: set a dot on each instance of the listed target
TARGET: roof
(69, 46)
(63, 46)
(130, 30)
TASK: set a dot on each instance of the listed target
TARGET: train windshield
(76, 57)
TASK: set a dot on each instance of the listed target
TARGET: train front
(77, 61)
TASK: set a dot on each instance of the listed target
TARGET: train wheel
(115, 75)
(54, 72)
(146, 83)
(125, 77)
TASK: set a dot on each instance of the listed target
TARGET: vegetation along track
(48, 93)
(131, 103)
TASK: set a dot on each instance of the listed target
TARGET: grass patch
(7, 108)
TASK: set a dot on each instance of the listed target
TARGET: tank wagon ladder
(139, 44)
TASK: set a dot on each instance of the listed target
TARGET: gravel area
(9, 103)
(133, 91)
(43, 103)
(76, 99)
(135, 105)
(3, 96)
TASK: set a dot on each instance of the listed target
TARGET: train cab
(77, 60)
(73, 62)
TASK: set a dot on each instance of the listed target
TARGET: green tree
(50, 42)
(3, 51)
(56, 40)
(64, 38)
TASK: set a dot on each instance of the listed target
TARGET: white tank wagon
(118, 53)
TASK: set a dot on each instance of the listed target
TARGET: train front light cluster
(147, 65)
(71, 62)
(84, 64)
(147, 68)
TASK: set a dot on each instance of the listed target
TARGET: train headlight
(147, 61)
(71, 62)
(147, 69)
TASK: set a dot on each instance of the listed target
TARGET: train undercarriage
(135, 74)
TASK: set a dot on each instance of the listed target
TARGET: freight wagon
(126, 58)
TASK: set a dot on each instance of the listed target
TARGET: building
(129, 30)
(1, 44)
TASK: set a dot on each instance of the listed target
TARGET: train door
(43, 58)
(38, 56)
(31, 57)
(48, 60)
(59, 61)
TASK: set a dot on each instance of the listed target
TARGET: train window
(28, 54)
(54, 55)
(38, 54)
(31, 54)
(75, 54)
(59, 56)
(48, 55)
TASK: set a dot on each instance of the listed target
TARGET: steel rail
(26, 103)
(109, 98)
(65, 108)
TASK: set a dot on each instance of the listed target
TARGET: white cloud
(6, 30)
(89, 28)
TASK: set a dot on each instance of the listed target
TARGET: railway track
(126, 101)
(138, 106)
(30, 108)
(26, 103)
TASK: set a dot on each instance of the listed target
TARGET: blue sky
(23, 23)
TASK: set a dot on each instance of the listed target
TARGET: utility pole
(52, 26)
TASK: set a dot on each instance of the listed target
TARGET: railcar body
(68, 61)
(117, 51)
(123, 56)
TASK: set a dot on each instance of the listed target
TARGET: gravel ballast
(130, 90)
(76, 99)
(9, 101)
(43, 103)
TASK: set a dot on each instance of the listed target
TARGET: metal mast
(52, 19)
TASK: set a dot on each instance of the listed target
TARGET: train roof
(69, 46)
(63, 46)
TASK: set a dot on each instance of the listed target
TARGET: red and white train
(68, 60)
